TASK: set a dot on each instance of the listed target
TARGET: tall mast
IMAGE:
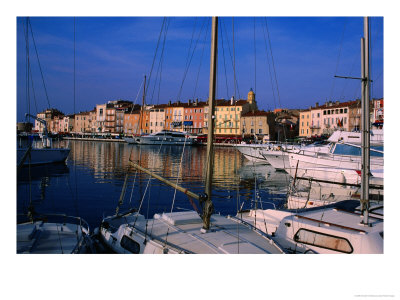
(365, 126)
(143, 103)
(208, 206)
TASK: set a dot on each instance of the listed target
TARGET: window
(341, 110)
(101, 112)
(329, 112)
(130, 245)
(345, 110)
(252, 130)
(317, 115)
(260, 131)
(323, 240)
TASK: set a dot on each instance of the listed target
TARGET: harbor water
(90, 183)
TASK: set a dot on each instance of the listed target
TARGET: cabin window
(130, 245)
(323, 240)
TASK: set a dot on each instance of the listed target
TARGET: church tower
(251, 99)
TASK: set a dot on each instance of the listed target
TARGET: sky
(289, 62)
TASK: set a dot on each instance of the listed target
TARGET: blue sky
(114, 53)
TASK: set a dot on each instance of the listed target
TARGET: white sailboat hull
(252, 152)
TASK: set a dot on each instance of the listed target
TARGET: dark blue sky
(114, 53)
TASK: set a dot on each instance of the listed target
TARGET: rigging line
(155, 55)
(273, 63)
(33, 90)
(177, 180)
(40, 67)
(223, 55)
(187, 57)
(190, 60)
(234, 76)
(233, 50)
(27, 65)
(255, 58)
(338, 59)
(236, 85)
(201, 59)
(76, 174)
(269, 69)
(274, 71)
(160, 63)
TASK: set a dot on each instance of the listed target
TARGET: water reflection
(90, 183)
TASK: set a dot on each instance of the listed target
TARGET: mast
(365, 126)
(142, 109)
(208, 206)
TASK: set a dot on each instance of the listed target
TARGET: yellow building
(304, 123)
(228, 114)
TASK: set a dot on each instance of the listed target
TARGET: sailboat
(49, 233)
(187, 231)
(342, 227)
(44, 154)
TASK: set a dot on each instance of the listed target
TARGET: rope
(189, 60)
(338, 59)
(40, 67)
(201, 59)
(235, 81)
(223, 55)
(155, 54)
(255, 58)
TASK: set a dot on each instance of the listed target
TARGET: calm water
(90, 183)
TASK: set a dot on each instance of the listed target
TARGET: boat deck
(47, 238)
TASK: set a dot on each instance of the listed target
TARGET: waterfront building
(286, 124)
(110, 119)
(228, 114)
(46, 115)
(194, 117)
(67, 124)
(258, 125)
(377, 114)
(304, 123)
(177, 117)
(101, 117)
(55, 123)
(82, 122)
(92, 120)
(131, 123)
(157, 118)
(145, 119)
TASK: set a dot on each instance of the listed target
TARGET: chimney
(316, 104)
(169, 103)
(190, 101)
(337, 102)
(197, 101)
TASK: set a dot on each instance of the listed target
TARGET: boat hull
(43, 156)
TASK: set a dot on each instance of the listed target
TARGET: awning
(188, 123)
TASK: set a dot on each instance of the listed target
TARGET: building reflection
(185, 165)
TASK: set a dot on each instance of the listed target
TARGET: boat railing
(57, 218)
